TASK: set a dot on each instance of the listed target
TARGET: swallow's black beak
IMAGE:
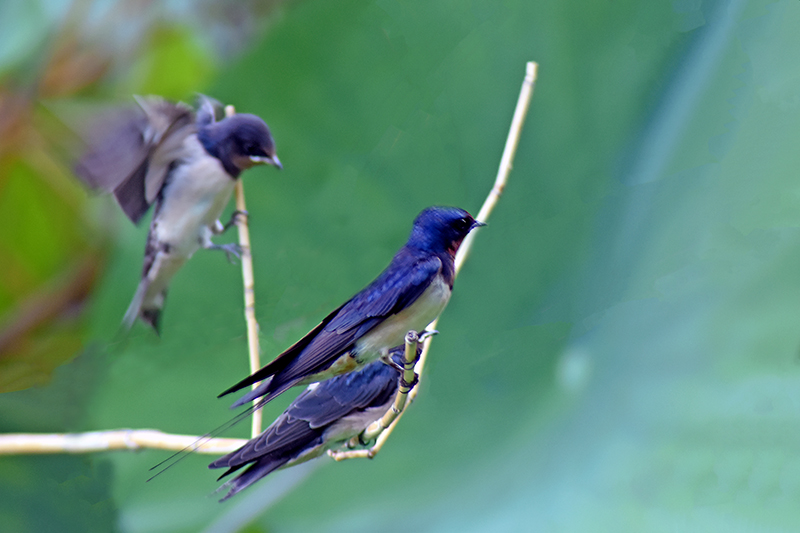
(267, 160)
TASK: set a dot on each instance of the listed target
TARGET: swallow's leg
(231, 250)
(411, 363)
(402, 368)
(234, 220)
(377, 430)
(389, 361)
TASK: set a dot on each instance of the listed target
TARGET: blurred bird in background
(57, 67)
(185, 163)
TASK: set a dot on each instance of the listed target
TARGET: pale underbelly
(191, 207)
(392, 331)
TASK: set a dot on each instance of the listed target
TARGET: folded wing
(395, 289)
(308, 426)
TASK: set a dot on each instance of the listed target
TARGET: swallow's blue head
(239, 142)
(441, 229)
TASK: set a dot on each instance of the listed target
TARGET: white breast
(392, 331)
(193, 200)
(351, 425)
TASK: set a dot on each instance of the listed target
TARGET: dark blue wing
(302, 426)
(340, 396)
(315, 409)
(394, 290)
(403, 281)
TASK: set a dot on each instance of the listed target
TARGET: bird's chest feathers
(392, 331)
(354, 423)
(192, 200)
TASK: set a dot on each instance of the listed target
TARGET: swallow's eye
(251, 149)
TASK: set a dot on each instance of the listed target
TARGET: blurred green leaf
(49, 268)
(172, 63)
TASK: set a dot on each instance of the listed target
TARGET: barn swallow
(185, 163)
(411, 292)
(321, 418)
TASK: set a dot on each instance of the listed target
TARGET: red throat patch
(454, 246)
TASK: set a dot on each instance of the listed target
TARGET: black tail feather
(254, 472)
(283, 360)
(266, 390)
(152, 317)
(257, 376)
(178, 456)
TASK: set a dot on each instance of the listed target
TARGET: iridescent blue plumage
(407, 295)
(322, 418)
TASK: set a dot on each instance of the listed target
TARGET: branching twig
(134, 439)
(120, 439)
(248, 280)
(506, 163)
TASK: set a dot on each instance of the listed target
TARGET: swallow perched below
(185, 163)
(407, 295)
(322, 418)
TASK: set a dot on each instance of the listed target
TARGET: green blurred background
(622, 350)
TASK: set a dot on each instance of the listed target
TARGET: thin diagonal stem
(506, 164)
(248, 280)
(412, 340)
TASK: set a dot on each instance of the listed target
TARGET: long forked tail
(269, 388)
(267, 391)
(264, 374)
(277, 365)
(257, 470)
(150, 315)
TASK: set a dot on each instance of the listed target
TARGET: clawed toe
(425, 334)
(234, 219)
(406, 385)
(231, 250)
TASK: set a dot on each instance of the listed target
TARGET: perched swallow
(185, 163)
(322, 418)
(407, 295)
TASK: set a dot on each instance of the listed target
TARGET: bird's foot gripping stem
(235, 216)
(380, 429)
(414, 349)
(407, 386)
